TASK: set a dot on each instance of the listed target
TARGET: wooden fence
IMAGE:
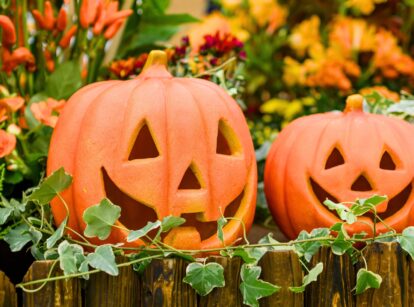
(161, 284)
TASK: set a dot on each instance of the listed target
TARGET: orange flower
(46, 111)
(19, 56)
(268, 12)
(348, 35)
(364, 6)
(7, 143)
(65, 40)
(9, 31)
(12, 103)
(47, 20)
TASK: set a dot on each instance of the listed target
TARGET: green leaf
(51, 186)
(253, 288)
(171, 222)
(143, 264)
(221, 222)
(171, 19)
(307, 279)
(244, 254)
(4, 214)
(138, 234)
(340, 246)
(374, 200)
(51, 241)
(406, 240)
(343, 211)
(103, 259)
(100, 218)
(18, 237)
(204, 277)
(308, 249)
(367, 279)
(70, 257)
(64, 81)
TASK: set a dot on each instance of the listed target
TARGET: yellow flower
(305, 35)
(274, 105)
(294, 108)
(293, 72)
(268, 12)
(364, 6)
(231, 4)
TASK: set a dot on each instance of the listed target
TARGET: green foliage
(367, 279)
(100, 218)
(406, 241)
(310, 277)
(204, 277)
(253, 288)
(103, 259)
(64, 81)
(138, 234)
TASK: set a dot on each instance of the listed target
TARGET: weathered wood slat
(103, 290)
(65, 292)
(8, 297)
(410, 289)
(335, 283)
(162, 285)
(230, 294)
(389, 261)
(283, 269)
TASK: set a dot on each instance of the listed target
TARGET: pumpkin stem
(156, 57)
(354, 103)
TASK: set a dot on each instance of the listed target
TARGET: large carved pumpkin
(342, 157)
(157, 146)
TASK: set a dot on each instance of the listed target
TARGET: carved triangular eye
(227, 140)
(144, 146)
(334, 159)
(190, 180)
(387, 162)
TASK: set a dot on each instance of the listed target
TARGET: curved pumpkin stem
(354, 103)
(156, 57)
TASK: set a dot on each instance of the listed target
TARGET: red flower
(7, 143)
(9, 31)
(47, 20)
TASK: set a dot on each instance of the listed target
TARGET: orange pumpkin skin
(341, 156)
(157, 146)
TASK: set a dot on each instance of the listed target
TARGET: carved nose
(361, 184)
(190, 179)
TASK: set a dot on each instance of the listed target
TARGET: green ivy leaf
(100, 218)
(367, 279)
(308, 249)
(310, 277)
(5, 214)
(389, 239)
(374, 200)
(258, 252)
(221, 222)
(171, 222)
(204, 277)
(253, 288)
(245, 255)
(18, 237)
(51, 241)
(340, 246)
(138, 234)
(406, 240)
(103, 259)
(51, 186)
(343, 211)
(70, 257)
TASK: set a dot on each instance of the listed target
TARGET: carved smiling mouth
(394, 204)
(135, 215)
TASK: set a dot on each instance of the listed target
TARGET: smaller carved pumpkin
(157, 146)
(342, 157)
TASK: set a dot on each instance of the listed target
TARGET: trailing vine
(29, 222)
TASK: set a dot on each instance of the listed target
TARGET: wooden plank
(8, 297)
(162, 285)
(389, 261)
(65, 292)
(230, 294)
(283, 269)
(410, 289)
(335, 283)
(106, 290)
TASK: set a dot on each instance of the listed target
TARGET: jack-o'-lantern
(157, 146)
(341, 156)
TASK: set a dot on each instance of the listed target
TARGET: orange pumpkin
(341, 156)
(157, 146)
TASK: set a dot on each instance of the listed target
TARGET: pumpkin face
(342, 157)
(157, 146)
